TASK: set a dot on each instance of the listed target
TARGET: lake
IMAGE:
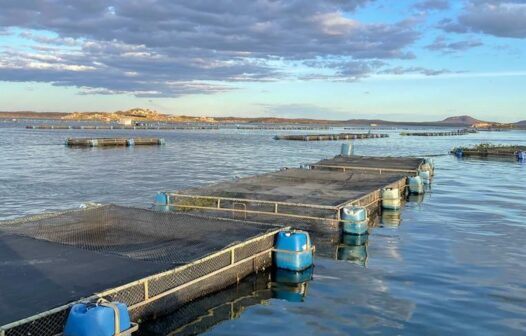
(455, 263)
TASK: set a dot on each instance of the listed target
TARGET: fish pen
(299, 194)
(153, 262)
(516, 152)
(120, 127)
(113, 142)
(451, 133)
(379, 165)
(331, 137)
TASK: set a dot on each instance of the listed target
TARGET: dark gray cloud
(493, 17)
(150, 46)
(442, 44)
(427, 5)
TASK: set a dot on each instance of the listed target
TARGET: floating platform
(317, 194)
(149, 260)
(491, 151)
(330, 137)
(119, 127)
(112, 142)
(451, 133)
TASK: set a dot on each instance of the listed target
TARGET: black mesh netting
(138, 233)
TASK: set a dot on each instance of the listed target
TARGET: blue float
(459, 152)
(426, 176)
(416, 185)
(347, 149)
(293, 250)
(162, 141)
(521, 156)
(354, 220)
(161, 198)
(130, 142)
(101, 319)
(93, 142)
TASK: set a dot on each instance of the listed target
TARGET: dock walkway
(146, 259)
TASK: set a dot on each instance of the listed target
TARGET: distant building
(126, 122)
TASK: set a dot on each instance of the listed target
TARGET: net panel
(174, 238)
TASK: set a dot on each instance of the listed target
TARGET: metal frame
(379, 170)
(144, 282)
(374, 197)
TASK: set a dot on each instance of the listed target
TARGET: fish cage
(153, 262)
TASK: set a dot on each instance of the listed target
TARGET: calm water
(455, 264)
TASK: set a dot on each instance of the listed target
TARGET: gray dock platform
(148, 260)
(317, 194)
(405, 165)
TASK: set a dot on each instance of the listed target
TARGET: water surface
(455, 264)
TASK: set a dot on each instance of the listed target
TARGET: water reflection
(353, 248)
(416, 198)
(391, 218)
(289, 285)
(202, 314)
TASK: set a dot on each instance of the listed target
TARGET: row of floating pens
(354, 218)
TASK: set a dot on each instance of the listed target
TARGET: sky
(419, 60)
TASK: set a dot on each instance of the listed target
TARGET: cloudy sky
(336, 59)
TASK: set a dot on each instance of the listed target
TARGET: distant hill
(461, 120)
(521, 123)
(32, 115)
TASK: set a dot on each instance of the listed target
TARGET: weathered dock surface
(148, 260)
(317, 194)
(330, 137)
(107, 142)
(450, 133)
(491, 151)
(403, 165)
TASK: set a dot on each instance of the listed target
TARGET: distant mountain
(521, 123)
(461, 120)
(32, 115)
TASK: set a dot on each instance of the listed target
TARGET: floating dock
(330, 137)
(491, 151)
(149, 260)
(119, 127)
(318, 194)
(427, 134)
(113, 142)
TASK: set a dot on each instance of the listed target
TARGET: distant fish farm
(113, 142)
(330, 137)
(428, 134)
(491, 151)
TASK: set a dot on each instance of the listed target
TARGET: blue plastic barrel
(162, 141)
(293, 250)
(93, 142)
(130, 142)
(521, 156)
(346, 149)
(426, 176)
(416, 185)
(459, 152)
(96, 320)
(161, 198)
(354, 220)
